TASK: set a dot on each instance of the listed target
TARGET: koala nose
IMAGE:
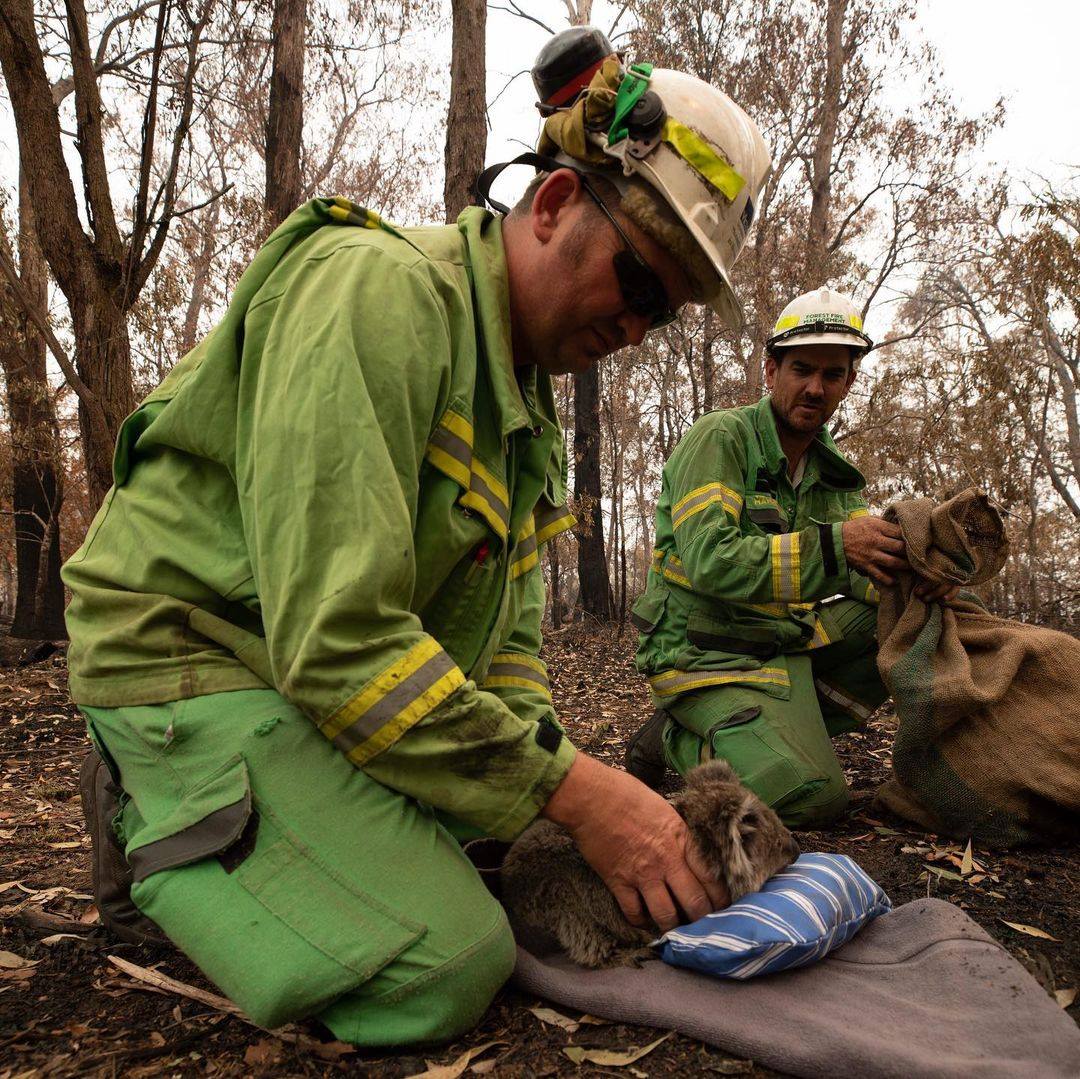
(793, 848)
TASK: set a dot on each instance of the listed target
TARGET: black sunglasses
(642, 290)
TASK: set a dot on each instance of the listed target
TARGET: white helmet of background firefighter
(821, 317)
(658, 130)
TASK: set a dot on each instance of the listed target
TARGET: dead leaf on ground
(484, 1067)
(593, 1021)
(56, 938)
(456, 1067)
(966, 863)
(611, 1058)
(549, 1015)
(262, 1052)
(11, 961)
(1030, 930)
(948, 874)
(730, 1067)
(1066, 997)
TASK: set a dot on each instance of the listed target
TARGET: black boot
(111, 872)
(644, 757)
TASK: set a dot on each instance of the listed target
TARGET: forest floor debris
(66, 1009)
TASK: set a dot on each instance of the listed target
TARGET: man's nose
(815, 387)
(634, 327)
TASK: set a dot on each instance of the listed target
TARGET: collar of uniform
(487, 264)
(487, 261)
(827, 462)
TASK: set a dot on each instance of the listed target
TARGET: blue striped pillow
(800, 915)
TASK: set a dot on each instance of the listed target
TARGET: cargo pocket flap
(209, 819)
(712, 634)
(648, 610)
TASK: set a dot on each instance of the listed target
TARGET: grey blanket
(920, 992)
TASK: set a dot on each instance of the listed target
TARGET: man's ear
(770, 370)
(553, 198)
(853, 371)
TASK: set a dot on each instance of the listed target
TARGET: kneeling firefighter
(305, 623)
(757, 626)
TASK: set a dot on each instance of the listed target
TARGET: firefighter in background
(758, 623)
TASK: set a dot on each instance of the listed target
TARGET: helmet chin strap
(481, 188)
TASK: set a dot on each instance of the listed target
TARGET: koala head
(743, 841)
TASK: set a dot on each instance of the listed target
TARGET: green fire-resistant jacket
(741, 556)
(341, 493)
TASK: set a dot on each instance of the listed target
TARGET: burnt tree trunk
(817, 247)
(285, 118)
(593, 582)
(36, 473)
(466, 121)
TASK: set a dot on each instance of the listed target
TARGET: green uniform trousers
(294, 881)
(780, 745)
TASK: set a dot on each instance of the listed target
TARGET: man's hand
(637, 843)
(929, 592)
(875, 547)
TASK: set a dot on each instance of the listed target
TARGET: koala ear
(740, 869)
(749, 823)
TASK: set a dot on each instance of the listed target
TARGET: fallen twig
(182, 989)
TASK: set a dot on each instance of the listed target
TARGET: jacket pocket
(648, 610)
(712, 634)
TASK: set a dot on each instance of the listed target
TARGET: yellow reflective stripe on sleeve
(517, 671)
(657, 559)
(702, 158)
(842, 700)
(784, 552)
(401, 695)
(526, 554)
(550, 523)
(872, 594)
(702, 497)
(450, 450)
(671, 683)
(673, 572)
(855, 514)
(821, 636)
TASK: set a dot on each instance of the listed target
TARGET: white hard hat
(709, 162)
(820, 317)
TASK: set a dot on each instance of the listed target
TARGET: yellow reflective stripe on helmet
(550, 523)
(515, 670)
(790, 321)
(702, 158)
(450, 450)
(671, 683)
(401, 695)
(785, 557)
(702, 497)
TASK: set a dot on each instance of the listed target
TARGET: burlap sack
(988, 745)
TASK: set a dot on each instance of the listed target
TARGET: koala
(549, 890)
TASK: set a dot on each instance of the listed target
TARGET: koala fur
(549, 889)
